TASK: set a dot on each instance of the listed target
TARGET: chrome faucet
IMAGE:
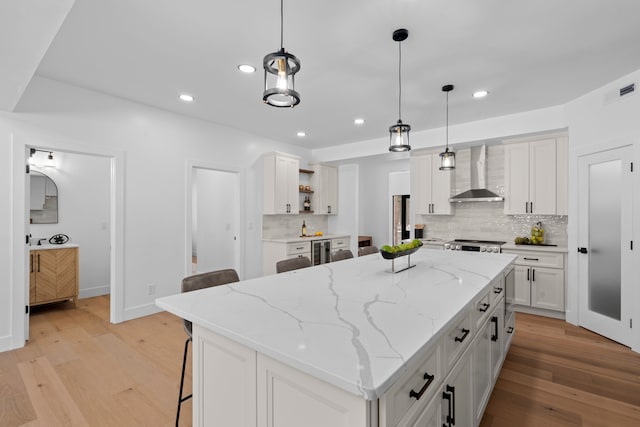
(40, 241)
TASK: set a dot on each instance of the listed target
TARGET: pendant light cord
(281, 24)
(447, 121)
(399, 80)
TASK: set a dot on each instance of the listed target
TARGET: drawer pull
(510, 330)
(497, 290)
(450, 396)
(465, 332)
(531, 259)
(494, 336)
(484, 308)
(424, 388)
(300, 247)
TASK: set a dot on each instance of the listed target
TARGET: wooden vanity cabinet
(53, 275)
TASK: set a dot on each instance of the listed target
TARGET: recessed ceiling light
(246, 68)
(480, 94)
(358, 121)
(301, 134)
(186, 97)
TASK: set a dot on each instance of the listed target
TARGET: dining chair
(194, 283)
(292, 264)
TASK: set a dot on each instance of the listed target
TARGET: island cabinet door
(224, 381)
(290, 398)
(457, 394)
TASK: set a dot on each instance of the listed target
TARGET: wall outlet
(151, 289)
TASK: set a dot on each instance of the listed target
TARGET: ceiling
(528, 54)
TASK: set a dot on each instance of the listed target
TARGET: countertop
(351, 323)
(306, 238)
(49, 246)
(537, 248)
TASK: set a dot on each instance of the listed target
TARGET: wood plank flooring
(556, 374)
(78, 369)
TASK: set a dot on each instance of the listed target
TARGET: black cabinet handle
(424, 388)
(38, 263)
(533, 275)
(465, 332)
(328, 209)
(510, 330)
(494, 336)
(532, 259)
(582, 250)
(531, 210)
(528, 274)
(484, 308)
(31, 256)
(447, 397)
(497, 290)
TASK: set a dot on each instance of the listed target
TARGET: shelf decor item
(403, 249)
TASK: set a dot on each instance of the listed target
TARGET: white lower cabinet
(290, 398)
(449, 386)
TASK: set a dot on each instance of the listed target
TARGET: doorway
(214, 219)
(605, 242)
(21, 148)
(401, 218)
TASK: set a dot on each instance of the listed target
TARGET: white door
(215, 220)
(27, 252)
(604, 240)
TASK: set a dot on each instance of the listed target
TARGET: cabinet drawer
(411, 393)
(458, 338)
(342, 243)
(539, 259)
(298, 248)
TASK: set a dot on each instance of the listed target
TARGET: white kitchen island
(351, 344)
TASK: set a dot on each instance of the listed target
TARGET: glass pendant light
(399, 133)
(447, 158)
(279, 75)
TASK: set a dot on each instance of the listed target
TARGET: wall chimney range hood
(478, 169)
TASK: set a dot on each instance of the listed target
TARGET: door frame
(19, 275)
(191, 165)
(573, 287)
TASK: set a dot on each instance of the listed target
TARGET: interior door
(604, 230)
(216, 210)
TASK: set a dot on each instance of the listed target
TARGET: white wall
(346, 222)
(83, 214)
(594, 123)
(156, 146)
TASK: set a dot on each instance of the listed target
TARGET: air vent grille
(627, 89)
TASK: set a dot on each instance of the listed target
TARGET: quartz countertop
(306, 238)
(50, 246)
(538, 248)
(350, 323)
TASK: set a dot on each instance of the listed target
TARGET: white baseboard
(5, 343)
(141, 311)
(94, 292)
(539, 311)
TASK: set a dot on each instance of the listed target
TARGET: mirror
(44, 199)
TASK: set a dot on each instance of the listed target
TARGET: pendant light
(447, 158)
(279, 75)
(399, 133)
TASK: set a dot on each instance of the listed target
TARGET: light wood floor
(78, 369)
(556, 374)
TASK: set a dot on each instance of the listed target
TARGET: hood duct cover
(478, 169)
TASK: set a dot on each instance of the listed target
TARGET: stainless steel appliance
(320, 251)
(488, 246)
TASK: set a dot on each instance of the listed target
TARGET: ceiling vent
(615, 95)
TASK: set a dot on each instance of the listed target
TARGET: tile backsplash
(486, 220)
(288, 226)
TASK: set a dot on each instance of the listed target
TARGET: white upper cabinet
(535, 177)
(324, 183)
(280, 180)
(430, 187)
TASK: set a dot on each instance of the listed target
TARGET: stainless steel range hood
(478, 169)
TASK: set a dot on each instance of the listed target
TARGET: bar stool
(341, 254)
(292, 264)
(193, 283)
(367, 250)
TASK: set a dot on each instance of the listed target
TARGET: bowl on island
(392, 252)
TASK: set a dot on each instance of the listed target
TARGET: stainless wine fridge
(320, 251)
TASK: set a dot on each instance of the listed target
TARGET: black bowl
(389, 255)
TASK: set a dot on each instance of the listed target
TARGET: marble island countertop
(350, 323)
